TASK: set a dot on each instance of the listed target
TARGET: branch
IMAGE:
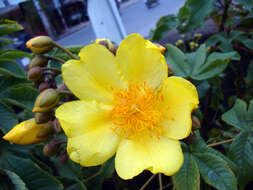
(221, 142)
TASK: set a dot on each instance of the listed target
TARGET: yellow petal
(94, 147)
(157, 155)
(25, 133)
(141, 62)
(180, 98)
(79, 117)
(94, 76)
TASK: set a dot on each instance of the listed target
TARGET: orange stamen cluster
(136, 112)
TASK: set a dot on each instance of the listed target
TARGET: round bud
(43, 117)
(46, 100)
(38, 60)
(34, 74)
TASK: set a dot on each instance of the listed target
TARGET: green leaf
(200, 146)
(5, 42)
(195, 65)
(241, 152)
(14, 54)
(215, 171)
(9, 26)
(164, 25)
(15, 180)
(193, 14)
(239, 117)
(8, 118)
(20, 95)
(176, 58)
(187, 178)
(9, 67)
(33, 176)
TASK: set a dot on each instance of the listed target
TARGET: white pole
(106, 20)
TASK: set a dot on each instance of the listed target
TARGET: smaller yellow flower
(25, 133)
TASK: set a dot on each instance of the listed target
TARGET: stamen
(136, 112)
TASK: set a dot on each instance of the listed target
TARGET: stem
(225, 15)
(147, 182)
(95, 174)
(66, 51)
(55, 59)
(65, 92)
(221, 142)
(165, 186)
(57, 71)
(160, 181)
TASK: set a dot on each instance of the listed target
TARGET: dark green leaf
(13, 54)
(33, 176)
(5, 42)
(164, 25)
(9, 67)
(15, 180)
(200, 146)
(241, 152)
(193, 13)
(239, 117)
(8, 118)
(195, 65)
(187, 178)
(9, 26)
(20, 95)
(215, 171)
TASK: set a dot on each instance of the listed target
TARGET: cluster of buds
(44, 124)
(193, 45)
(179, 43)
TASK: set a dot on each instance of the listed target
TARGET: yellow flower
(25, 133)
(129, 106)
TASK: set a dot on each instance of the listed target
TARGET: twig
(95, 174)
(167, 185)
(221, 142)
(55, 59)
(147, 182)
(66, 51)
(160, 181)
(225, 15)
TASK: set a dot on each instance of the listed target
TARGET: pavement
(136, 17)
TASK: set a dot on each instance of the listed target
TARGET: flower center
(136, 112)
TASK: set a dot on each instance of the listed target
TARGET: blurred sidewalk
(136, 17)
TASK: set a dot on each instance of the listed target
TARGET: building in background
(45, 17)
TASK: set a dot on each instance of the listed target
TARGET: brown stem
(95, 174)
(55, 59)
(221, 142)
(225, 15)
(147, 182)
(160, 181)
(66, 51)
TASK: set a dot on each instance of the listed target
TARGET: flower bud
(160, 47)
(107, 43)
(40, 44)
(57, 126)
(195, 123)
(198, 35)
(25, 133)
(183, 35)
(43, 86)
(34, 74)
(46, 100)
(38, 60)
(46, 130)
(179, 42)
(192, 45)
(43, 117)
(51, 148)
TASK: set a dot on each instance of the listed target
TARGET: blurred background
(67, 21)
